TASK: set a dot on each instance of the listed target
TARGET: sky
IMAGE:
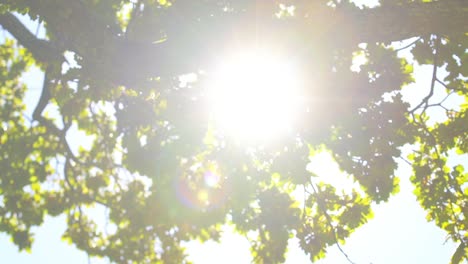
(398, 233)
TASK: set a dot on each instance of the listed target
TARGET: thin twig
(446, 97)
(409, 45)
(425, 101)
(329, 222)
(407, 161)
(450, 88)
(439, 105)
(28, 118)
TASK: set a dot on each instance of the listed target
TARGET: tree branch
(44, 98)
(42, 50)
(425, 100)
(102, 49)
(329, 222)
(409, 45)
(458, 89)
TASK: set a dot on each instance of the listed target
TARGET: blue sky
(399, 232)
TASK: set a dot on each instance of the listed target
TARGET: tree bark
(42, 50)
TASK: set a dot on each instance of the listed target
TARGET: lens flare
(202, 190)
(211, 179)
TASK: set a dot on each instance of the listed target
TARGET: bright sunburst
(255, 96)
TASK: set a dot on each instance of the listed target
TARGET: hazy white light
(211, 179)
(254, 96)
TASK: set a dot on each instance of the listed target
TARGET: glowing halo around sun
(254, 96)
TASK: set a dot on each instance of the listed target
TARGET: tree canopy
(166, 173)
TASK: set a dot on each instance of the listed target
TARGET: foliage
(154, 149)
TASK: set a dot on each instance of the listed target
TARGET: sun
(255, 96)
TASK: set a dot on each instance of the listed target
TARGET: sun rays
(254, 96)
